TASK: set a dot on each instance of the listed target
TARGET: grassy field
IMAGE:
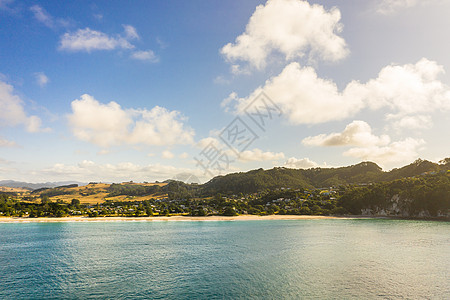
(92, 193)
(6, 189)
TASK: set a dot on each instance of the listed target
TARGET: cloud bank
(408, 92)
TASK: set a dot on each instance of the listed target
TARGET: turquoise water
(291, 259)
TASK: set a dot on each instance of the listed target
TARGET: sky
(115, 91)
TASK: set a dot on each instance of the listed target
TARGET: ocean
(271, 259)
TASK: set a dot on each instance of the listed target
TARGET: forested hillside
(422, 196)
(365, 172)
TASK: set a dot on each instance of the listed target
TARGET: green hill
(364, 172)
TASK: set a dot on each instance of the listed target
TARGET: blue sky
(113, 91)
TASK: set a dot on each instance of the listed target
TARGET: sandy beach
(174, 218)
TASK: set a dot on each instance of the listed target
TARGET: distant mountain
(34, 186)
(364, 172)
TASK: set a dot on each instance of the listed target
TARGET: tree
(149, 212)
(229, 211)
(45, 199)
(75, 202)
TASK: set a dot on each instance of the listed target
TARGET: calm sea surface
(289, 259)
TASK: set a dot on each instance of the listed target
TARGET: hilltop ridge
(278, 177)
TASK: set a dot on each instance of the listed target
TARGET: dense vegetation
(365, 172)
(421, 189)
(132, 190)
(424, 195)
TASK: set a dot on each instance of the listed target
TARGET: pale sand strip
(174, 218)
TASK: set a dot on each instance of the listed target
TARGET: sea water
(273, 259)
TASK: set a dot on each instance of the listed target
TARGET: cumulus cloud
(402, 90)
(148, 55)
(109, 124)
(357, 133)
(367, 146)
(402, 151)
(291, 28)
(303, 97)
(89, 40)
(12, 111)
(300, 163)
(408, 89)
(41, 79)
(259, 155)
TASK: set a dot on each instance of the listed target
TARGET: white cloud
(148, 55)
(183, 155)
(407, 90)
(205, 142)
(34, 124)
(368, 146)
(45, 18)
(89, 40)
(42, 16)
(389, 7)
(167, 154)
(101, 124)
(303, 97)
(12, 112)
(221, 80)
(357, 133)
(41, 79)
(90, 171)
(226, 102)
(258, 155)
(302, 163)
(239, 70)
(412, 122)
(291, 28)
(109, 124)
(402, 151)
(131, 32)
(6, 143)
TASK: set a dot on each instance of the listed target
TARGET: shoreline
(206, 218)
(173, 218)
